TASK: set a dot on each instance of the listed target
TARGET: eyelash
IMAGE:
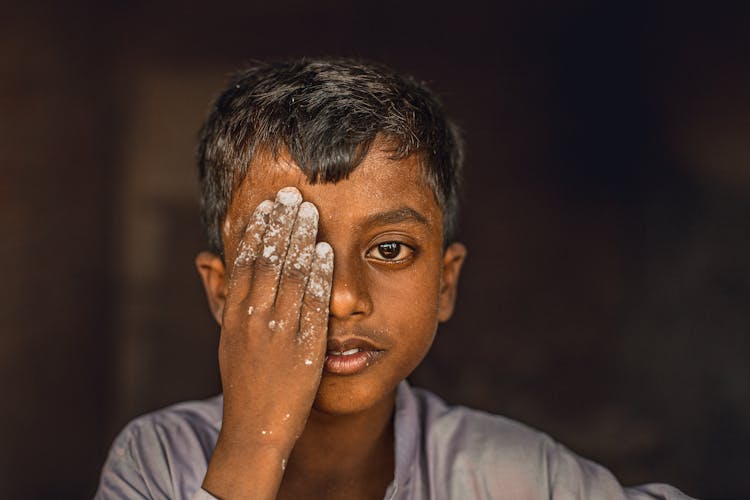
(402, 248)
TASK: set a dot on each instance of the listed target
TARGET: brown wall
(606, 299)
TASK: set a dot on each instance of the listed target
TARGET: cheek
(408, 298)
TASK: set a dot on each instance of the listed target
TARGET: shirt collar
(407, 435)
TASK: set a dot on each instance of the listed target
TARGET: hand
(272, 346)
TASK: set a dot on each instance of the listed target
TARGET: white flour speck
(250, 310)
(245, 253)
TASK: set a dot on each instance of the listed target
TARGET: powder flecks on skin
(289, 196)
(259, 218)
(245, 254)
(268, 251)
(276, 325)
(287, 416)
(318, 288)
(265, 208)
(308, 330)
(304, 257)
(250, 310)
(318, 285)
(308, 362)
(324, 250)
(283, 464)
(300, 247)
(308, 211)
(325, 253)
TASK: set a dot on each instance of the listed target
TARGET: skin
(387, 280)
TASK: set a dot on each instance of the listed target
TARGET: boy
(328, 297)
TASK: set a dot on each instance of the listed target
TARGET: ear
(213, 274)
(453, 259)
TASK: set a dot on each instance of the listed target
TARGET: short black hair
(326, 113)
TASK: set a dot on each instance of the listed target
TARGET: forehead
(379, 184)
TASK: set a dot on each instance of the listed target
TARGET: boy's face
(392, 281)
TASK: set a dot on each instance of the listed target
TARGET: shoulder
(187, 418)
(182, 431)
(162, 450)
(477, 451)
(476, 440)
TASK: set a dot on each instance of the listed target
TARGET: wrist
(240, 470)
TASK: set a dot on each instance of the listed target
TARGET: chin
(339, 396)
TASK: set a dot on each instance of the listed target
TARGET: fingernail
(308, 211)
(265, 207)
(289, 196)
(323, 250)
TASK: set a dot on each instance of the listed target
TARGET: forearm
(239, 472)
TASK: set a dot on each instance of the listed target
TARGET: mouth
(350, 356)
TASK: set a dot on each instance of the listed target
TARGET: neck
(345, 451)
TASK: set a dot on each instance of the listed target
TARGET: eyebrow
(395, 216)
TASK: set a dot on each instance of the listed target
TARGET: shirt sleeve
(656, 491)
(146, 462)
(121, 477)
(573, 477)
(202, 494)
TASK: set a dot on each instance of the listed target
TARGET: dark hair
(326, 114)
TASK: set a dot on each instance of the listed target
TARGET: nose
(350, 298)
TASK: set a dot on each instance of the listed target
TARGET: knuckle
(288, 322)
(296, 273)
(315, 301)
(276, 325)
(268, 263)
(318, 289)
(245, 254)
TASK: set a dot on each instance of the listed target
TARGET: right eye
(390, 251)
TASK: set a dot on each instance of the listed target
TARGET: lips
(345, 353)
(350, 356)
(340, 345)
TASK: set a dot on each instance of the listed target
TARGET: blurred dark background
(606, 298)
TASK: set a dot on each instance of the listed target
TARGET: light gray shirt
(442, 452)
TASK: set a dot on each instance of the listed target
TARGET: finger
(297, 266)
(314, 313)
(270, 259)
(240, 274)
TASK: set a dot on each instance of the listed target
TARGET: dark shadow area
(606, 299)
